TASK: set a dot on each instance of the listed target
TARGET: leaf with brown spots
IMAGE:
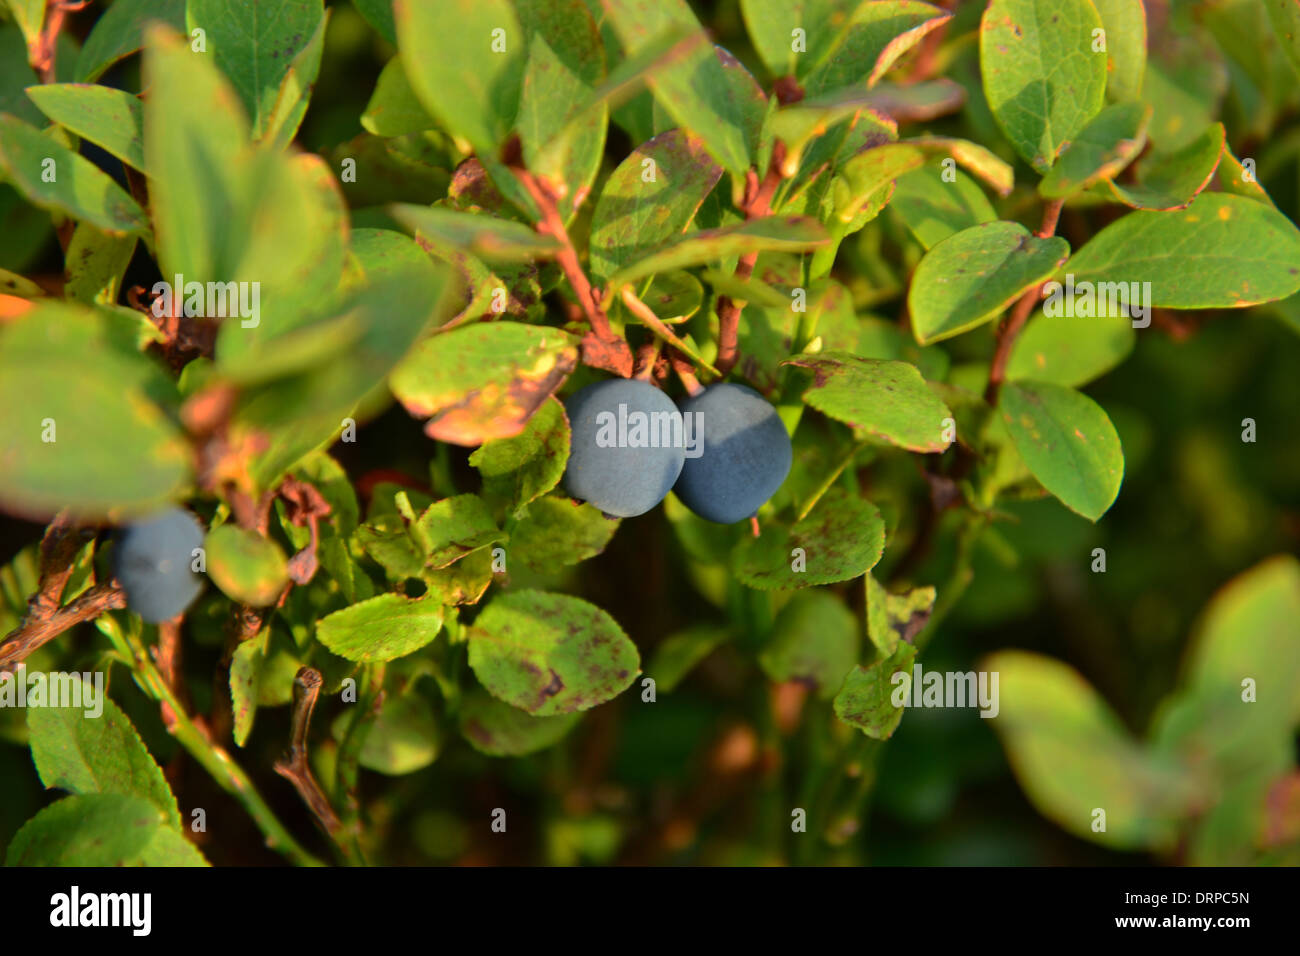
(550, 654)
(482, 382)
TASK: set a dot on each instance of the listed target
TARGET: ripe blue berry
(152, 562)
(746, 454)
(623, 458)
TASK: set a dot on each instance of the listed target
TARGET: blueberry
(152, 563)
(744, 458)
(627, 446)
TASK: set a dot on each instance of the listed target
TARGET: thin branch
(685, 371)
(41, 54)
(33, 634)
(602, 347)
(756, 204)
(1011, 326)
(294, 765)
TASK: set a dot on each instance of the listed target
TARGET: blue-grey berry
(152, 562)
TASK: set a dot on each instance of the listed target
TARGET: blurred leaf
(1285, 17)
(1125, 22)
(95, 263)
(970, 277)
(100, 830)
(1067, 442)
(842, 538)
(78, 750)
(650, 197)
(1100, 151)
(887, 400)
(483, 382)
(465, 60)
(249, 568)
(814, 641)
(1041, 78)
(1221, 252)
(120, 32)
(29, 15)
(393, 108)
(499, 730)
(550, 654)
(290, 103)
(1172, 181)
(245, 684)
(379, 14)
(107, 117)
(404, 737)
(1072, 756)
(679, 653)
(865, 700)
(383, 628)
(73, 376)
(896, 618)
(78, 188)
(557, 531)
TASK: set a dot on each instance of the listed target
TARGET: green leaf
(814, 641)
(1249, 630)
(973, 275)
(465, 60)
(101, 830)
(86, 430)
(245, 684)
(699, 92)
(933, 208)
(676, 296)
(1285, 17)
(499, 730)
(1071, 755)
(454, 527)
(485, 236)
(771, 25)
(550, 654)
(651, 197)
(1125, 22)
(1067, 442)
(894, 619)
(107, 117)
(555, 532)
(379, 14)
(120, 32)
(1041, 78)
(483, 382)
(254, 45)
(527, 466)
(1173, 180)
(79, 189)
(29, 15)
(840, 539)
(291, 101)
(95, 263)
(404, 737)
(1101, 150)
(16, 75)
(393, 108)
(677, 654)
(775, 233)
(870, 42)
(1070, 350)
(249, 568)
(81, 751)
(1222, 251)
(866, 701)
(887, 400)
(383, 628)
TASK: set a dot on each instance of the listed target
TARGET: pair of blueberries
(743, 455)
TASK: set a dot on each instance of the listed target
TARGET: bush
(1018, 280)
